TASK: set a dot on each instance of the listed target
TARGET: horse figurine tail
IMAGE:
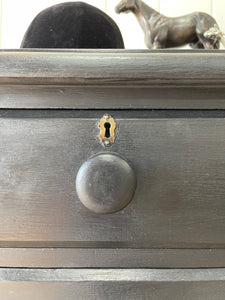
(216, 35)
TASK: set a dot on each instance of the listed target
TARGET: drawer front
(179, 164)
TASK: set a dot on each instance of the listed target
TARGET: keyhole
(107, 130)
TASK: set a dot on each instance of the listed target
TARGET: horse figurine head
(125, 6)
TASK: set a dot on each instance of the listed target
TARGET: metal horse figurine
(164, 32)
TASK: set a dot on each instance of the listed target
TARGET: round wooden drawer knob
(105, 183)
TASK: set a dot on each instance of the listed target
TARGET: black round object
(72, 25)
(105, 183)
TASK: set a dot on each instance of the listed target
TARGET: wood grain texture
(169, 107)
(112, 275)
(109, 258)
(109, 79)
(179, 201)
(70, 97)
(112, 284)
(162, 69)
(112, 291)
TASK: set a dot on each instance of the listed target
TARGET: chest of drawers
(112, 175)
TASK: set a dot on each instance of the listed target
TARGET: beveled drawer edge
(105, 98)
(111, 258)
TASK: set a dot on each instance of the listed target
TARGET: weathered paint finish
(170, 122)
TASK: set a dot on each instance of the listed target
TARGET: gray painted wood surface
(112, 80)
(69, 97)
(118, 69)
(115, 275)
(179, 164)
(112, 284)
(112, 290)
(170, 108)
(67, 257)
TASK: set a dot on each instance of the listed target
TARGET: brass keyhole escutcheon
(107, 127)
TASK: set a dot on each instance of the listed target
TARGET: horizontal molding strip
(116, 275)
(118, 68)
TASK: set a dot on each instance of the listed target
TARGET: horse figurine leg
(160, 38)
(158, 41)
(205, 43)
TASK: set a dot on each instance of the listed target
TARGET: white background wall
(16, 15)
